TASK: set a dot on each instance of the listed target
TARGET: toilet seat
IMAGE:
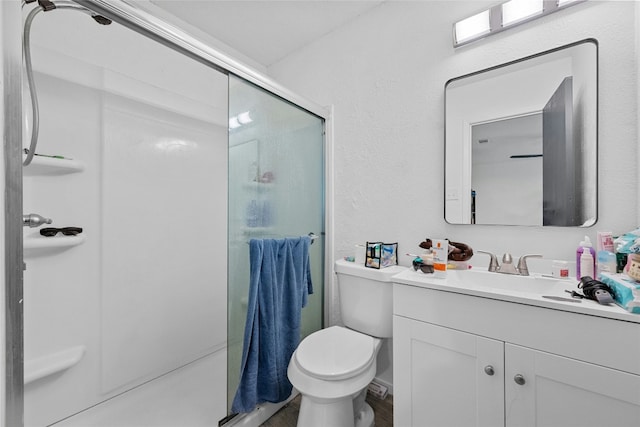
(335, 353)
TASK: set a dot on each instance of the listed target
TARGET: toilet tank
(366, 297)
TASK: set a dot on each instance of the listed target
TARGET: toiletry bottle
(440, 255)
(560, 269)
(252, 217)
(586, 263)
(606, 262)
(585, 245)
(605, 241)
(253, 172)
(266, 213)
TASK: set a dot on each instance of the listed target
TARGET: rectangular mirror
(521, 141)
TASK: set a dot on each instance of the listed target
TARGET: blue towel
(279, 284)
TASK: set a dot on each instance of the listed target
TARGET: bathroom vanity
(486, 349)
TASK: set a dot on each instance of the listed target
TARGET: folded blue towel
(280, 282)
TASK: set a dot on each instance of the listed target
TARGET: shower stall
(169, 157)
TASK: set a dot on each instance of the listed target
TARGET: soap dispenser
(588, 261)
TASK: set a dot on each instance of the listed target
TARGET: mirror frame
(518, 61)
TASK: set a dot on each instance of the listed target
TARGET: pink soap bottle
(585, 245)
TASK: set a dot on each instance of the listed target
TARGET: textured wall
(385, 74)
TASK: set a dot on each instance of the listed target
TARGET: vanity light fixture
(562, 3)
(473, 27)
(503, 16)
(515, 11)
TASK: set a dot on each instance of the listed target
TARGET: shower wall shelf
(256, 231)
(36, 241)
(41, 165)
(258, 186)
(45, 366)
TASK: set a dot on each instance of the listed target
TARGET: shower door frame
(12, 357)
(120, 11)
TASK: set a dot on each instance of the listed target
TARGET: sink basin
(482, 279)
(480, 282)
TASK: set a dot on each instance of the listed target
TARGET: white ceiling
(266, 30)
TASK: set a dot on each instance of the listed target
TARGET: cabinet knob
(489, 370)
(519, 379)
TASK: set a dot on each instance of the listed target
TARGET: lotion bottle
(585, 246)
(586, 263)
(440, 255)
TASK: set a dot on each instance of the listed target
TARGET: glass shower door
(276, 190)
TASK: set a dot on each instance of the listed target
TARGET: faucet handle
(493, 261)
(523, 269)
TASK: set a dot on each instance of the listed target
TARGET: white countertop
(461, 281)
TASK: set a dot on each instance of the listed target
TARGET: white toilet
(332, 367)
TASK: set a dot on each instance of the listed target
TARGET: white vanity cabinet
(559, 391)
(439, 377)
(463, 360)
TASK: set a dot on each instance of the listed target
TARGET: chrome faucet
(507, 266)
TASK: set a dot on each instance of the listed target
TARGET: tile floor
(288, 415)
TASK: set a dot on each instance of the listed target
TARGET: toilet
(332, 367)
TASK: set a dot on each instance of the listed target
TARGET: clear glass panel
(131, 312)
(276, 190)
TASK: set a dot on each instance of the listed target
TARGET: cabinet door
(444, 377)
(557, 391)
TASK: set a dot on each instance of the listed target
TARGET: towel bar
(313, 236)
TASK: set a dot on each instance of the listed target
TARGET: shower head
(43, 6)
(101, 19)
(47, 5)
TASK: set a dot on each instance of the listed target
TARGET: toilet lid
(335, 353)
